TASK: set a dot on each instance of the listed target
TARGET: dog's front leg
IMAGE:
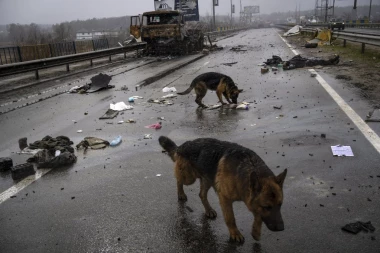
(227, 98)
(256, 228)
(229, 218)
(219, 94)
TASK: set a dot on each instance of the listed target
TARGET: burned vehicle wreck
(166, 32)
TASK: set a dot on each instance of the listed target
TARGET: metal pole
(231, 14)
(333, 14)
(213, 15)
(327, 8)
(370, 7)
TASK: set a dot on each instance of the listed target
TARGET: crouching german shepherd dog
(222, 84)
(236, 173)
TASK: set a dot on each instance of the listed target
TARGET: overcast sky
(56, 11)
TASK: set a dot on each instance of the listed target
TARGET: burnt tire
(22, 170)
(6, 163)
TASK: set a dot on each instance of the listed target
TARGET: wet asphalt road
(120, 203)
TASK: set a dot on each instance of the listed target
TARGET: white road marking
(371, 136)
(21, 185)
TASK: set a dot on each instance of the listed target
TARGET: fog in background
(56, 11)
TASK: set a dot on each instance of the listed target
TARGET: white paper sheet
(340, 150)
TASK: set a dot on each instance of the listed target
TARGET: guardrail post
(67, 67)
(19, 53)
(91, 62)
(37, 75)
(344, 43)
(363, 48)
(110, 59)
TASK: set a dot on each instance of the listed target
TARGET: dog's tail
(186, 91)
(169, 146)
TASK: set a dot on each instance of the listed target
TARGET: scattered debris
(313, 75)
(100, 82)
(120, 122)
(277, 107)
(238, 49)
(161, 118)
(274, 69)
(293, 31)
(264, 70)
(124, 88)
(155, 126)
(6, 163)
(358, 226)
(160, 101)
(340, 150)
(80, 89)
(170, 96)
(23, 143)
(46, 158)
(373, 116)
(213, 107)
(80, 131)
(116, 141)
(93, 143)
(229, 64)
(131, 121)
(147, 136)
(22, 170)
(158, 175)
(121, 106)
(169, 89)
(110, 114)
(311, 45)
(275, 60)
(323, 136)
(300, 62)
(61, 143)
(243, 106)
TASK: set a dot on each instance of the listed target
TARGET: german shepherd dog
(236, 173)
(222, 84)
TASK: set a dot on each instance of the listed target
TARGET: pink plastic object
(155, 126)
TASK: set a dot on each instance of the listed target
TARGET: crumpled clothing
(274, 61)
(46, 159)
(358, 226)
(61, 143)
(93, 143)
(299, 62)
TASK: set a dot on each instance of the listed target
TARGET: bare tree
(16, 33)
(62, 31)
(34, 34)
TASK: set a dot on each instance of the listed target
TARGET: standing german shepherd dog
(236, 174)
(222, 84)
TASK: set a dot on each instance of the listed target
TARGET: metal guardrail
(358, 37)
(351, 25)
(363, 38)
(35, 65)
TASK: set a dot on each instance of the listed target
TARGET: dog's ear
(281, 178)
(241, 90)
(255, 183)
